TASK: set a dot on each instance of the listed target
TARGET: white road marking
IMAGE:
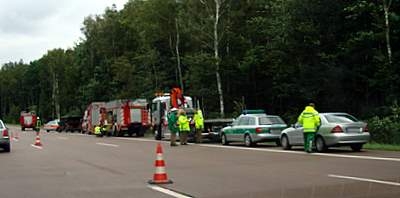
(38, 147)
(105, 144)
(279, 151)
(140, 140)
(168, 192)
(62, 138)
(365, 179)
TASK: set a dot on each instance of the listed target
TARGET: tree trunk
(178, 57)
(216, 56)
(386, 7)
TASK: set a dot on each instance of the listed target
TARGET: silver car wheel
(320, 144)
(285, 143)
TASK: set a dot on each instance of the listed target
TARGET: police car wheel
(248, 141)
(224, 141)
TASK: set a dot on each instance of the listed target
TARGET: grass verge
(385, 147)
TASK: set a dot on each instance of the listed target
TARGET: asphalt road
(76, 165)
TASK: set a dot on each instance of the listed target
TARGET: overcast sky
(29, 28)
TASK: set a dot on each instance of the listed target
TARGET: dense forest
(229, 54)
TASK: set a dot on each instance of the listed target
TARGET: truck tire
(140, 132)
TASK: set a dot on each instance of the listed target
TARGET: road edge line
(364, 179)
(169, 192)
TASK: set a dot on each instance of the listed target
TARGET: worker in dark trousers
(199, 124)
(184, 127)
(172, 125)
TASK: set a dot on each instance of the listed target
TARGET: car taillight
(5, 133)
(258, 130)
(366, 128)
(337, 129)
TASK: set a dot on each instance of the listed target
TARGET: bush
(386, 130)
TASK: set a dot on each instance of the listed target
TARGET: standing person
(184, 127)
(172, 125)
(38, 124)
(310, 120)
(199, 124)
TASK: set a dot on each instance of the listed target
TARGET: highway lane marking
(168, 192)
(365, 179)
(281, 151)
(105, 144)
(303, 153)
(38, 147)
(141, 140)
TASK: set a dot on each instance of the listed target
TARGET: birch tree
(386, 9)
(216, 38)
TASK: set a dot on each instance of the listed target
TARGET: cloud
(28, 29)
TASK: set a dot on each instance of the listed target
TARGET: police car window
(252, 121)
(340, 118)
(243, 121)
(270, 120)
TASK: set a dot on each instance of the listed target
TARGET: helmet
(174, 109)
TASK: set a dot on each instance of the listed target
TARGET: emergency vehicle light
(256, 111)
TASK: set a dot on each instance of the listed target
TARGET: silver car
(4, 137)
(337, 129)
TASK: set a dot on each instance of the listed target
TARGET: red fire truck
(95, 114)
(27, 120)
(128, 117)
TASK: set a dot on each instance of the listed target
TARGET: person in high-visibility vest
(172, 125)
(97, 130)
(38, 124)
(199, 124)
(310, 120)
(184, 127)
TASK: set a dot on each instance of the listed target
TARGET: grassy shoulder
(385, 147)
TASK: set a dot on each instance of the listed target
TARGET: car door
(240, 128)
(297, 135)
(228, 131)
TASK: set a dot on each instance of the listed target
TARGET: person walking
(184, 127)
(38, 124)
(310, 120)
(199, 124)
(172, 125)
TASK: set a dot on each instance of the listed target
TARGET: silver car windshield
(270, 120)
(340, 118)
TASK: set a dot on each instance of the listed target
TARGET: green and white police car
(253, 126)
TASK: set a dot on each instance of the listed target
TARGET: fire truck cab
(27, 120)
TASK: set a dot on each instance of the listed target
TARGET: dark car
(4, 137)
(71, 123)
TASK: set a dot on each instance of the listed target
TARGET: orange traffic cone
(160, 177)
(37, 141)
